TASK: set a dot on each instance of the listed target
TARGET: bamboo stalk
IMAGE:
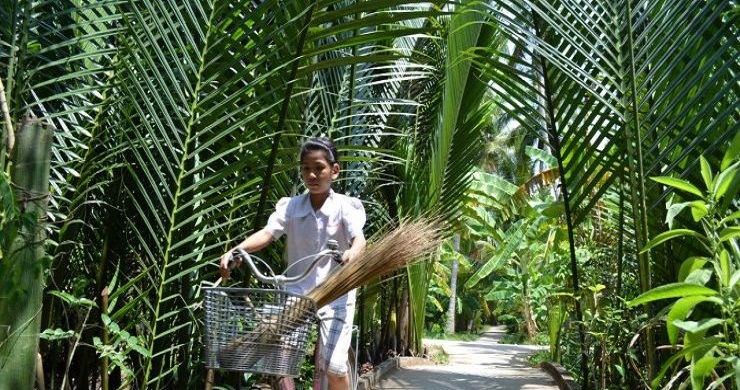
(6, 116)
(20, 299)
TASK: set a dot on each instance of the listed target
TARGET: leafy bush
(705, 311)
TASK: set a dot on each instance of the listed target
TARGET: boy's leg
(286, 384)
(318, 364)
(338, 382)
(335, 341)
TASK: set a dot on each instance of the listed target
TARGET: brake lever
(333, 245)
(237, 255)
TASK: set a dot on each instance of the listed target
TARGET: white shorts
(335, 338)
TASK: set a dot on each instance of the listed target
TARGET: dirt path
(473, 365)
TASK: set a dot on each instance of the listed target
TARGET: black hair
(320, 143)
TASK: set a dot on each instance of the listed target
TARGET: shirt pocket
(334, 227)
(303, 234)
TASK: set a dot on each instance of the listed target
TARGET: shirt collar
(304, 206)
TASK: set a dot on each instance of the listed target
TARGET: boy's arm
(251, 244)
(256, 241)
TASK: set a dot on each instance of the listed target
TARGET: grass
(541, 338)
(461, 336)
(516, 338)
(539, 357)
(437, 355)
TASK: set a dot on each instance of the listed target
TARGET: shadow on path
(474, 365)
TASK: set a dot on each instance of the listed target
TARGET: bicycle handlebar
(282, 280)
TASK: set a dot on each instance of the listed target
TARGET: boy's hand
(226, 264)
(357, 246)
(348, 256)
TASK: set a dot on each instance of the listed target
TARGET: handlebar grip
(237, 254)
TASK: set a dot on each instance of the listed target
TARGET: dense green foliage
(706, 294)
(177, 127)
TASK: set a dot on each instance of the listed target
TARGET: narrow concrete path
(473, 365)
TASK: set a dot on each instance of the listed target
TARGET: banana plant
(702, 319)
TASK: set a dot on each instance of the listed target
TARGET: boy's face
(317, 172)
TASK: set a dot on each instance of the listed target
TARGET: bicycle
(266, 331)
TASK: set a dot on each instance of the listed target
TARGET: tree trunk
(403, 324)
(530, 325)
(453, 288)
(23, 270)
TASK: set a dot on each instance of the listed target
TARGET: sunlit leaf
(690, 265)
(724, 181)
(698, 210)
(698, 326)
(57, 334)
(72, 300)
(706, 173)
(672, 290)
(669, 235)
(730, 217)
(729, 233)
(700, 276)
(674, 210)
(680, 184)
(725, 268)
(681, 309)
(701, 369)
(734, 279)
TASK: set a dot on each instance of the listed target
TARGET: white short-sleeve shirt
(341, 218)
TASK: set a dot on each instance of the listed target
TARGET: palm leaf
(452, 154)
(179, 211)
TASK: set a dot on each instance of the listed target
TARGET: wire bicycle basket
(263, 331)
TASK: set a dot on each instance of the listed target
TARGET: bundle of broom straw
(410, 242)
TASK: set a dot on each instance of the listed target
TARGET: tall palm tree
(457, 135)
